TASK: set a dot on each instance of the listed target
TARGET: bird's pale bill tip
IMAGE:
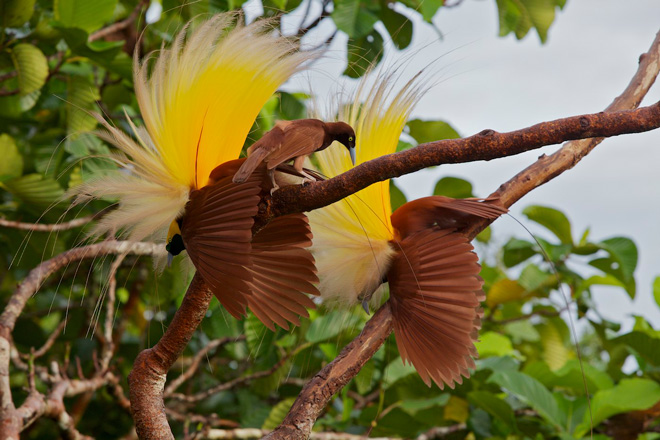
(170, 258)
(351, 151)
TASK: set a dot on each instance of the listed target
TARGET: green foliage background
(528, 383)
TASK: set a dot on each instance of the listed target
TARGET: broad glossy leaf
(453, 187)
(629, 395)
(504, 291)
(494, 344)
(624, 251)
(13, 13)
(555, 352)
(351, 17)
(38, 193)
(429, 131)
(516, 251)
(11, 164)
(656, 290)
(398, 25)
(84, 14)
(494, 406)
(457, 409)
(532, 278)
(553, 220)
(278, 413)
(330, 325)
(643, 344)
(397, 370)
(32, 67)
(82, 95)
(519, 16)
(363, 53)
(532, 392)
(413, 405)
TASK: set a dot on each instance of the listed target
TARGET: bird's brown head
(344, 134)
(174, 244)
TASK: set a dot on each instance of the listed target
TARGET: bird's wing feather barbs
(217, 231)
(435, 292)
(283, 272)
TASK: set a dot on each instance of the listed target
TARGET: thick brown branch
(486, 145)
(333, 377)
(147, 379)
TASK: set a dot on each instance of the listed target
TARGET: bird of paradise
(359, 244)
(199, 98)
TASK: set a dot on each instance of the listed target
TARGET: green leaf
(516, 251)
(396, 370)
(629, 395)
(427, 8)
(414, 405)
(555, 353)
(494, 344)
(643, 344)
(107, 54)
(278, 413)
(353, 19)
(656, 290)
(503, 291)
(11, 164)
(365, 377)
(429, 131)
(32, 67)
(363, 53)
(553, 220)
(532, 392)
(532, 277)
(519, 16)
(82, 95)
(14, 13)
(397, 197)
(260, 340)
(329, 326)
(84, 14)
(398, 25)
(624, 251)
(494, 406)
(454, 187)
(35, 191)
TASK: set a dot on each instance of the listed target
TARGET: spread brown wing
(435, 291)
(283, 271)
(216, 230)
(443, 212)
(301, 137)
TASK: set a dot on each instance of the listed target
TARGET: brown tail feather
(435, 291)
(283, 270)
(217, 231)
(443, 212)
(250, 164)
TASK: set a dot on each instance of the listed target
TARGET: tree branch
(147, 379)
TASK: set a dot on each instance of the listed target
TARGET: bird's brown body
(294, 140)
(435, 288)
(270, 272)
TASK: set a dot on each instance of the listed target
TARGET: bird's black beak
(351, 151)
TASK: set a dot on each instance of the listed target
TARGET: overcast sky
(505, 84)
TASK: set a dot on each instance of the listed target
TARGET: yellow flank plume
(204, 93)
(198, 99)
(351, 237)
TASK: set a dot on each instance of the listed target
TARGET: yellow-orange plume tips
(351, 237)
(198, 100)
(203, 93)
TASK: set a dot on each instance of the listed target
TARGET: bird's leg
(298, 163)
(271, 174)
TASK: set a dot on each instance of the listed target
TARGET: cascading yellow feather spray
(351, 237)
(199, 100)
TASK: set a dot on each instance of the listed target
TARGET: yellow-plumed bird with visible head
(199, 98)
(359, 244)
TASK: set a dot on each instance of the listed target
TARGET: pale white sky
(505, 84)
